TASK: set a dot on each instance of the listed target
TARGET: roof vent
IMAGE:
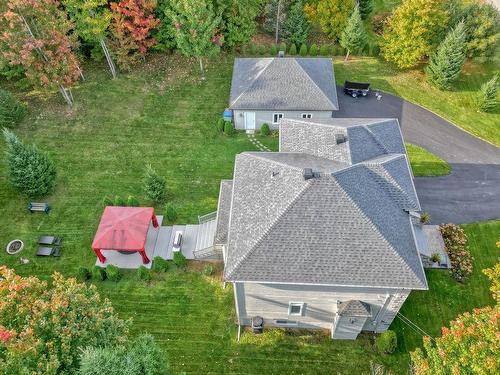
(308, 173)
(281, 53)
(340, 138)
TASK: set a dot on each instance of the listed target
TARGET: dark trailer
(356, 89)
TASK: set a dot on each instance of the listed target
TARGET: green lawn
(163, 114)
(424, 163)
(456, 106)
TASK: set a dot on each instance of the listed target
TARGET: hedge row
(305, 50)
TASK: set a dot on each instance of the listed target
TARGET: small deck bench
(38, 207)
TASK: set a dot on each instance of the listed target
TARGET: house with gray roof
(322, 233)
(265, 90)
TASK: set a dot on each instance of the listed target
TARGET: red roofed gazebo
(124, 229)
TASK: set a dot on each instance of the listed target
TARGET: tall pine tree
(197, 27)
(353, 37)
(365, 8)
(297, 26)
(31, 172)
(446, 64)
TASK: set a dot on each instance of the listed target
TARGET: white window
(307, 115)
(296, 308)
(277, 117)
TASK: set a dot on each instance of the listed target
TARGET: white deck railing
(204, 218)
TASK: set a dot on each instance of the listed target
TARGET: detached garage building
(265, 90)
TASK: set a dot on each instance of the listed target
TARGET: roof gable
(283, 83)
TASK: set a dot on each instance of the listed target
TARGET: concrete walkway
(472, 191)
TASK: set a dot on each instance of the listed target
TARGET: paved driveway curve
(471, 192)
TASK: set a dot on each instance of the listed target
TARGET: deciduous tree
(354, 35)
(92, 19)
(31, 172)
(413, 31)
(446, 63)
(35, 35)
(275, 16)
(43, 328)
(198, 28)
(331, 15)
(482, 24)
(131, 24)
(297, 27)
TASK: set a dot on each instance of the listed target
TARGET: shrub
(273, 51)
(375, 50)
(208, 270)
(220, 125)
(265, 130)
(293, 50)
(435, 257)
(170, 212)
(386, 342)
(425, 217)
(324, 50)
(379, 21)
(303, 50)
(493, 274)
(84, 274)
(488, 95)
(154, 185)
(30, 171)
(455, 241)
(99, 273)
(283, 47)
(262, 50)
(179, 259)
(333, 50)
(228, 128)
(132, 201)
(119, 201)
(253, 49)
(143, 274)
(107, 201)
(160, 264)
(114, 273)
(11, 110)
(313, 51)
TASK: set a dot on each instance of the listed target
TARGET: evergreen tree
(155, 185)
(413, 31)
(293, 50)
(11, 110)
(275, 16)
(365, 8)
(354, 35)
(488, 95)
(296, 26)
(303, 50)
(446, 64)
(238, 20)
(31, 172)
(197, 28)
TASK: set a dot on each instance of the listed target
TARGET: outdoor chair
(44, 251)
(50, 240)
(38, 207)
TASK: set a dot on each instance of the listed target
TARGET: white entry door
(249, 120)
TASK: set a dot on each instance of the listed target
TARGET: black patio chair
(50, 240)
(44, 251)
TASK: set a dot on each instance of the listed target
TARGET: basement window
(307, 115)
(296, 308)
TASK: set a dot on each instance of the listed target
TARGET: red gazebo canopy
(124, 229)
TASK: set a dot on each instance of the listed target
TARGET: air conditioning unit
(177, 241)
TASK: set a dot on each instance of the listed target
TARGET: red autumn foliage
(132, 22)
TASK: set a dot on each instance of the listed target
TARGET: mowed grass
(446, 298)
(457, 106)
(425, 163)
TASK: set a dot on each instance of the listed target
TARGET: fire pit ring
(14, 247)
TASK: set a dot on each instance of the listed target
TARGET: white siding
(271, 301)
(262, 117)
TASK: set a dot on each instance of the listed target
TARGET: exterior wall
(262, 117)
(271, 302)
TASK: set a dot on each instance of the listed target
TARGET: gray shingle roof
(354, 308)
(223, 211)
(348, 226)
(284, 84)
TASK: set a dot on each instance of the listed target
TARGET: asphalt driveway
(472, 191)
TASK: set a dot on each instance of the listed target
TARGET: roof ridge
(255, 154)
(273, 223)
(377, 139)
(405, 264)
(314, 83)
(271, 60)
(313, 123)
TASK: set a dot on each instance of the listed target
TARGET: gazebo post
(101, 257)
(145, 258)
(155, 221)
